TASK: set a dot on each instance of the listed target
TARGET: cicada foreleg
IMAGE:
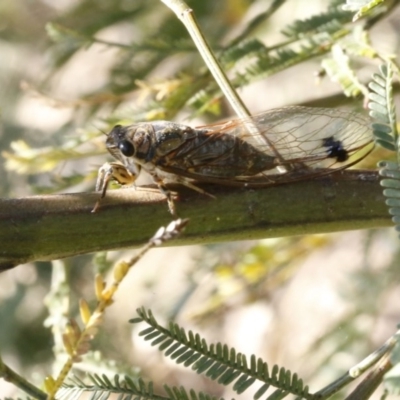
(116, 172)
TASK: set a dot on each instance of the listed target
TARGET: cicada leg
(119, 173)
(168, 194)
(112, 171)
(181, 180)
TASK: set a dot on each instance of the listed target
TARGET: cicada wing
(303, 143)
(316, 137)
(312, 137)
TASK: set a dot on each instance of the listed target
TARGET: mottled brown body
(202, 152)
(277, 146)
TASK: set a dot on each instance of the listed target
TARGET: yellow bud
(69, 346)
(49, 383)
(72, 330)
(99, 286)
(85, 311)
(120, 271)
(106, 295)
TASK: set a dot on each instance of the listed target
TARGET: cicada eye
(126, 148)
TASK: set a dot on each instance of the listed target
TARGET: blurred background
(69, 69)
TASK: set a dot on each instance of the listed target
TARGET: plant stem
(57, 226)
(11, 376)
(360, 368)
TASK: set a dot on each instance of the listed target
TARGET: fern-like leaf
(330, 21)
(102, 388)
(18, 398)
(217, 361)
(390, 172)
(267, 61)
(240, 51)
(382, 108)
(180, 393)
(386, 134)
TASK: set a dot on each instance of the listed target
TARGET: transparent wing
(304, 136)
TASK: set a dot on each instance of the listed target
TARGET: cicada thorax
(145, 141)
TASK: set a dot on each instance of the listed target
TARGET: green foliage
(383, 109)
(331, 21)
(102, 387)
(218, 362)
(386, 135)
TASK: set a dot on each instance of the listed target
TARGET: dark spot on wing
(335, 149)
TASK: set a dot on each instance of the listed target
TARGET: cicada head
(146, 142)
(131, 144)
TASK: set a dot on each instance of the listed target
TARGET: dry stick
(185, 14)
(360, 368)
(374, 378)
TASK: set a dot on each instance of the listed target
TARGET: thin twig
(359, 369)
(185, 14)
(11, 376)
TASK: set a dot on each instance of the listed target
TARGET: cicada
(274, 147)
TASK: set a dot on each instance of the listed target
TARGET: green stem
(11, 376)
(57, 226)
